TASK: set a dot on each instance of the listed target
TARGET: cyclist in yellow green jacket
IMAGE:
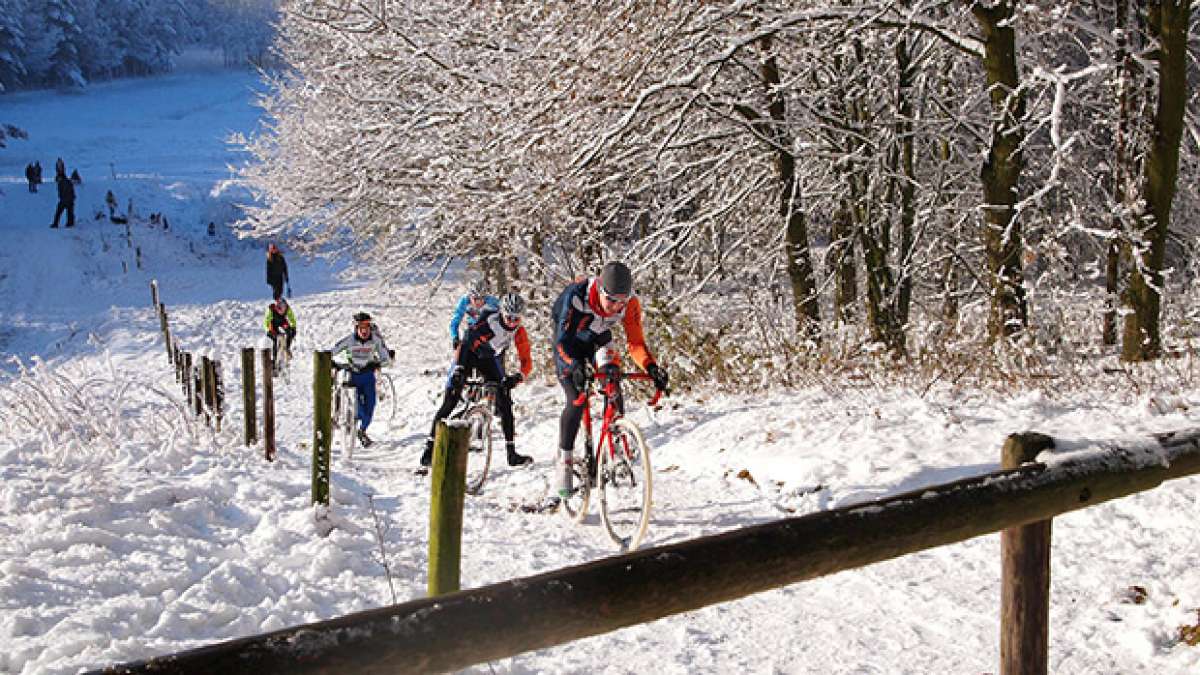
(280, 320)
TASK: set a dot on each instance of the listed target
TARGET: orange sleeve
(521, 340)
(634, 335)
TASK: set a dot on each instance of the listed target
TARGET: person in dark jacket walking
(66, 200)
(277, 273)
(31, 177)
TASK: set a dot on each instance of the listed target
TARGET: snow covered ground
(127, 529)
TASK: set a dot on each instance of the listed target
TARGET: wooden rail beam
(451, 632)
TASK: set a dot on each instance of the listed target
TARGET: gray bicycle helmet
(477, 288)
(512, 305)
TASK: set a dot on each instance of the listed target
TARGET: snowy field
(127, 529)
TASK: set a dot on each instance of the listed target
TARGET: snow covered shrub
(83, 413)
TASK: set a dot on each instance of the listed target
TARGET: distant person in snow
(37, 173)
(277, 273)
(280, 322)
(66, 199)
(75, 177)
(31, 177)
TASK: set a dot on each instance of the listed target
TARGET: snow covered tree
(957, 152)
(12, 49)
(63, 34)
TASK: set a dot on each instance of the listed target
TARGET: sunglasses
(616, 299)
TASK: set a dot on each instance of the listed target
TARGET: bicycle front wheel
(349, 428)
(626, 482)
(479, 452)
(385, 396)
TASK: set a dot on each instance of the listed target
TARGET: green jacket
(273, 321)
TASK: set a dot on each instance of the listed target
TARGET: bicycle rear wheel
(626, 483)
(479, 453)
(385, 396)
(575, 507)
(349, 408)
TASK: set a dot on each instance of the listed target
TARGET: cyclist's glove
(659, 375)
(454, 343)
(457, 377)
(513, 380)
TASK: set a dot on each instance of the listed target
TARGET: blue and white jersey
(464, 309)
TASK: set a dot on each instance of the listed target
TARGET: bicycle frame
(610, 415)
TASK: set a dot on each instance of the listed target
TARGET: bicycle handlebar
(601, 375)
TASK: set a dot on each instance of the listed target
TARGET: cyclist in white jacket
(362, 353)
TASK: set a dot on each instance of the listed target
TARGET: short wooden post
(186, 358)
(1025, 577)
(197, 387)
(322, 425)
(218, 389)
(178, 361)
(166, 329)
(249, 419)
(449, 484)
(206, 387)
(154, 292)
(268, 406)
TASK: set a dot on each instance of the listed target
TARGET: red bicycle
(617, 466)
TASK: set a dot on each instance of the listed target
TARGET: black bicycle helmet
(361, 316)
(616, 279)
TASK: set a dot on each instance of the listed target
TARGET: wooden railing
(460, 629)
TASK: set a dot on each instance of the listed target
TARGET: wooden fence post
(186, 357)
(154, 292)
(1025, 577)
(197, 387)
(166, 328)
(449, 484)
(178, 354)
(206, 386)
(249, 421)
(218, 388)
(268, 406)
(322, 425)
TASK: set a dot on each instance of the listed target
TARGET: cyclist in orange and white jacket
(584, 315)
(482, 349)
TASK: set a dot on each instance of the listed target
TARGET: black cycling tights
(490, 370)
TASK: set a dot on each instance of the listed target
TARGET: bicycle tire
(626, 484)
(349, 429)
(575, 507)
(479, 453)
(385, 396)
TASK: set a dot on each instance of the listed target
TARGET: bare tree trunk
(1169, 23)
(904, 132)
(1002, 236)
(841, 264)
(796, 248)
(1120, 175)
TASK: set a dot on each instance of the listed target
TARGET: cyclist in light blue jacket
(469, 307)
